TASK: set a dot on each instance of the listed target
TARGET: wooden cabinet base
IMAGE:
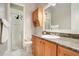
(50, 49)
(42, 47)
(66, 52)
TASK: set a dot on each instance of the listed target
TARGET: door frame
(9, 47)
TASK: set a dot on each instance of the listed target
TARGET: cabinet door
(37, 46)
(40, 47)
(66, 52)
(33, 45)
(50, 49)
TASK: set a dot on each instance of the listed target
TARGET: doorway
(16, 12)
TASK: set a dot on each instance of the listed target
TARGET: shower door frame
(10, 21)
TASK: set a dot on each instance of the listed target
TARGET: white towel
(5, 23)
(5, 31)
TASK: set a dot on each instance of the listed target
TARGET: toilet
(27, 46)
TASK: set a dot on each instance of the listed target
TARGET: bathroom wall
(2, 10)
(28, 25)
(3, 47)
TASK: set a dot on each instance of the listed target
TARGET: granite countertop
(64, 41)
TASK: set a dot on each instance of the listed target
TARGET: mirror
(57, 16)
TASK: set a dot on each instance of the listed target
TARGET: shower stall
(16, 12)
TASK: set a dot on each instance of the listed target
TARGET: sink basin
(50, 36)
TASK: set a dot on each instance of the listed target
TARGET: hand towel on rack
(5, 31)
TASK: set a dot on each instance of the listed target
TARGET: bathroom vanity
(57, 19)
(54, 47)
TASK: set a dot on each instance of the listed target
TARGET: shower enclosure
(16, 12)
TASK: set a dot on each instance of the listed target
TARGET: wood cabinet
(33, 45)
(66, 52)
(37, 46)
(37, 16)
(50, 49)
(41, 47)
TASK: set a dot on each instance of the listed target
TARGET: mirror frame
(60, 31)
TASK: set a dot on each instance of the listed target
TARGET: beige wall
(29, 28)
(2, 10)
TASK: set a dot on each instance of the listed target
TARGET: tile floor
(18, 52)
